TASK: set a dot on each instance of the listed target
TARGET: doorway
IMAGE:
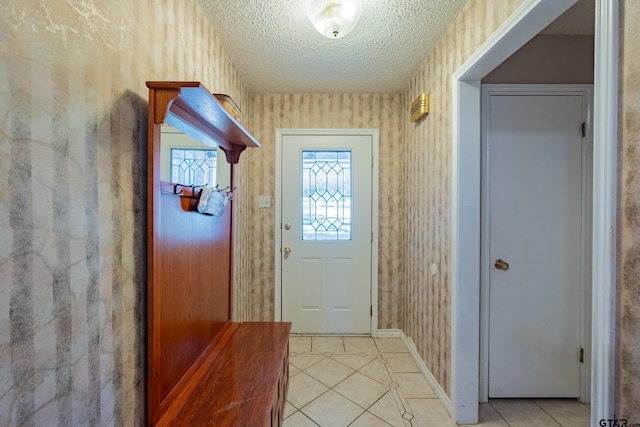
(536, 241)
(526, 22)
(326, 230)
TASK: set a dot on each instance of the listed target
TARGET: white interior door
(535, 223)
(326, 227)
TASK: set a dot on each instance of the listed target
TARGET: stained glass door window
(326, 195)
(193, 166)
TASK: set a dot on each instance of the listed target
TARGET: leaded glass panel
(192, 166)
(326, 195)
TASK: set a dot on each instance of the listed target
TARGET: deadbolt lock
(501, 265)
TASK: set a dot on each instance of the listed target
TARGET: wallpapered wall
(628, 335)
(73, 132)
(269, 112)
(427, 299)
(73, 109)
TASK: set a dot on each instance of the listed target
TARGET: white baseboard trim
(389, 333)
(408, 342)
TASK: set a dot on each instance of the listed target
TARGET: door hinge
(581, 355)
(584, 129)
(371, 310)
(371, 236)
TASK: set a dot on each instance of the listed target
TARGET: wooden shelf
(190, 107)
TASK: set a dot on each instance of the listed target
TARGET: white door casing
(326, 286)
(536, 187)
(531, 17)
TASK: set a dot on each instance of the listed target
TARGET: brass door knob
(287, 250)
(501, 265)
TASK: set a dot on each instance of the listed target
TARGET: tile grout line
(350, 375)
(365, 410)
(309, 418)
(378, 356)
(373, 415)
(332, 388)
(322, 394)
(497, 412)
(310, 366)
(545, 411)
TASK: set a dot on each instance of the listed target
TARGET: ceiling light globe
(334, 18)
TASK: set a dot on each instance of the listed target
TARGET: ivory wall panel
(73, 140)
(426, 303)
(271, 111)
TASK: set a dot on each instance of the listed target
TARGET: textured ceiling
(277, 50)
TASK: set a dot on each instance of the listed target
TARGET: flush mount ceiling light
(334, 18)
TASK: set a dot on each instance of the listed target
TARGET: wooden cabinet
(247, 383)
(280, 397)
(199, 361)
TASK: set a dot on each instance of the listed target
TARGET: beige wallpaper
(628, 330)
(73, 210)
(257, 174)
(426, 303)
(73, 132)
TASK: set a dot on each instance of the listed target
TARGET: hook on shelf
(193, 195)
(196, 190)
(226, 189)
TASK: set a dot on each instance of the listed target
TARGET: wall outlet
(264, 202)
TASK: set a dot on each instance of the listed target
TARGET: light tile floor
(370, 382)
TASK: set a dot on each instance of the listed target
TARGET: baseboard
(397, 333)
(389, 333)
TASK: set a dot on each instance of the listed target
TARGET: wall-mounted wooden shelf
(207, 120)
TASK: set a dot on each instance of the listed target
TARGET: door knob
(287, 226)
(287, 250)
(501, 265)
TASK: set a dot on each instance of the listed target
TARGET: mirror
(185, 160)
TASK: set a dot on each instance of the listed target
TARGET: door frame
(374, 134)
(527, 21)
(586, 92)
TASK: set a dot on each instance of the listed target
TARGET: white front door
(536, 226)
(326, 227)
